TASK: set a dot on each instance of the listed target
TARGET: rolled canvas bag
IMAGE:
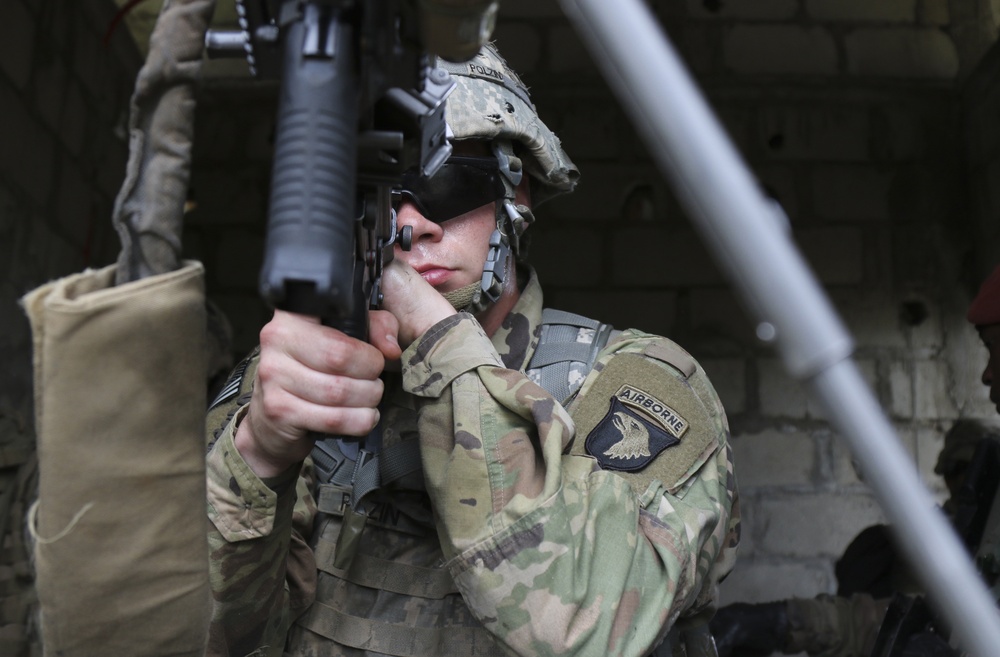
(120, 544)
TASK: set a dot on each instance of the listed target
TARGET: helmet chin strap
(477, 297)
(511, 221)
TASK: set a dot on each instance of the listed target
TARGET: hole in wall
(913, 313)
(714, 6)
(776, 141)
(639, 205)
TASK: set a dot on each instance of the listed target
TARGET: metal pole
(740, 226)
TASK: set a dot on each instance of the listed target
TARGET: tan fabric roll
(121, 553)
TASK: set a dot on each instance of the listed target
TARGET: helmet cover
(490, 102)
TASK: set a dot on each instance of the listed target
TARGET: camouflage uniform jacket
(584, 529)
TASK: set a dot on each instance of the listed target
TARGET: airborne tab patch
(625, 439)
(654, 408)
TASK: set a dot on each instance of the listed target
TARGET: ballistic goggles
(461, 185)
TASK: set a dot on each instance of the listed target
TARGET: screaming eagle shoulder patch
(636, 428)
(645, 419)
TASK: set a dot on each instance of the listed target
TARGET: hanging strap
(365, 474)
(149, 208)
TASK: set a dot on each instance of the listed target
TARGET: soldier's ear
(522, 194)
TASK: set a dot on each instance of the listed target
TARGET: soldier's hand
(415, 304)
(312, 378)
(750, 630)
(928, 643)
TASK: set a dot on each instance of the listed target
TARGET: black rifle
(360, 105)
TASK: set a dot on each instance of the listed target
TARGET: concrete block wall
(64, 100)
(980, 102)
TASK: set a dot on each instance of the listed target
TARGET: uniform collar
(517, 337)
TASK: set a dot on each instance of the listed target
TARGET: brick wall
(64, 98)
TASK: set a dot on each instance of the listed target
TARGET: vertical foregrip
(309, 261)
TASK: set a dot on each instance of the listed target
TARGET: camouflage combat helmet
(490, 102)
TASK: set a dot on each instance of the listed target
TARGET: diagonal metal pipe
(742, 230)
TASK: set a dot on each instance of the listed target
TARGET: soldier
(984, 314)
(541, 489)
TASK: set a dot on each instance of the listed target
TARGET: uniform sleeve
(262, 572)
(833, 626)
(553, 553)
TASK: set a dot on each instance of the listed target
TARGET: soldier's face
(449, 255)
(449, 252)
(990, 335)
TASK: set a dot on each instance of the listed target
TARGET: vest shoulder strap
(566, 352)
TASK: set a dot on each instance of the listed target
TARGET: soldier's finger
(384, 333)
(340, 421)
(333, 391)
(319, 347)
